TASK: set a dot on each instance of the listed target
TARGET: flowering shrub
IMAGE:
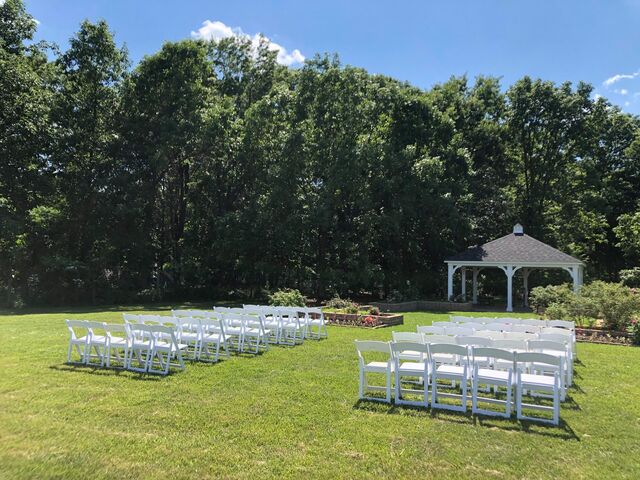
(287, 298)
(369, 321)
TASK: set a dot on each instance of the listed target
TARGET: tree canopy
(209, 168)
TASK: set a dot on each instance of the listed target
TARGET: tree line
(208, 168)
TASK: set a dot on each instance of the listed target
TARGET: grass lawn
(291, 412)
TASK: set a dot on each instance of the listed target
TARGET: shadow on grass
(563, 431)
(110, 372)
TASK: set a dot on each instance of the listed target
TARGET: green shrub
(635, 330)
(353, 308)
(338, 303)
(631, 277)
(613, 302)
(374, 311)
(541, 298)
(287, 297)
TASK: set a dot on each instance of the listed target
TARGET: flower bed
(367, 321)
(598, 335)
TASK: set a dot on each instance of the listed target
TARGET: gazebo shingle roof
(514, 248)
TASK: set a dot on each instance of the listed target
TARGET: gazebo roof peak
(515, 248)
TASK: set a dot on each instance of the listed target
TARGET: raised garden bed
(364, 320)
(598, 335)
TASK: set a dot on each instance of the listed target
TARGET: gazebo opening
(511, 253)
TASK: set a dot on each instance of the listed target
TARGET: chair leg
(361, 384)
(388, 386)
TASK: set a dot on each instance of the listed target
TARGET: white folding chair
(234, 330)
(454, 370)
(316, 320)
(141, 346)
(384, 367)
(190, 333)
(255, 334)
(496, 327)
(536, 383)
(444, 324)
(430, 330)
(291, 329)
(519, 336)
(165, 348)
(533, 322)
(212, 335)
(118, 340)
(560, 349)
(483, 374)
(97, 343)
(420, 369)
(78, 340)
(409, 337)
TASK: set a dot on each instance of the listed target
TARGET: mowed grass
(292, 412)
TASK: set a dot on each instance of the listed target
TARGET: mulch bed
(597, 335)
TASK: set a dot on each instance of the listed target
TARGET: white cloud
(626, 104)
(620, 76)
(217, 30)
(621, 91)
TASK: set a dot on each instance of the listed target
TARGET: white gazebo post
(476, 271)
(450, 271)
(525, 282)
(463, 290)
(509, 271)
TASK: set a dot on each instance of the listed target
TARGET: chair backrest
(557, 331)
(461, 319)
(495, 327)
(562, 324)
(458, 331)
(117, 328)
(473, 325)
(519, 336)
(363, 346)
(315, 312)
(474, 341)
(130, 318)
(439, 339)
(430, 330)
(407, 337)
(487, 334)
(510, 345)
(452, 349)
(534, 322)
(444, 324)
(399, 347)
(96, 328)
(535, 357)
(526, 328)
(77, 328)
(491, 353)
(212, 325)
(556, 337)
(540, 345)
(190, 324)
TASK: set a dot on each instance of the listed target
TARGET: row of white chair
(537, 374)
(512, 332)
(137, 347)
(311, 321)
(459, 319)
(558, 346)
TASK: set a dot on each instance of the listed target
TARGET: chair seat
(212, 337)
(412, 367)
(119, 341)
(531, 380)
(165, 347)
(316, 322)
(487, 374)
(378, 367)
(189, 336)
(411, 355)
(450, 371)
(443, 357)
(98, 339)
(79, 340)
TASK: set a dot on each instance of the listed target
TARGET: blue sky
(423, 42)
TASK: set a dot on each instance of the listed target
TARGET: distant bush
(341, 303)
(631, 277)
(374, 311)
(287, 298)
(613, 303)
(541, 298)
